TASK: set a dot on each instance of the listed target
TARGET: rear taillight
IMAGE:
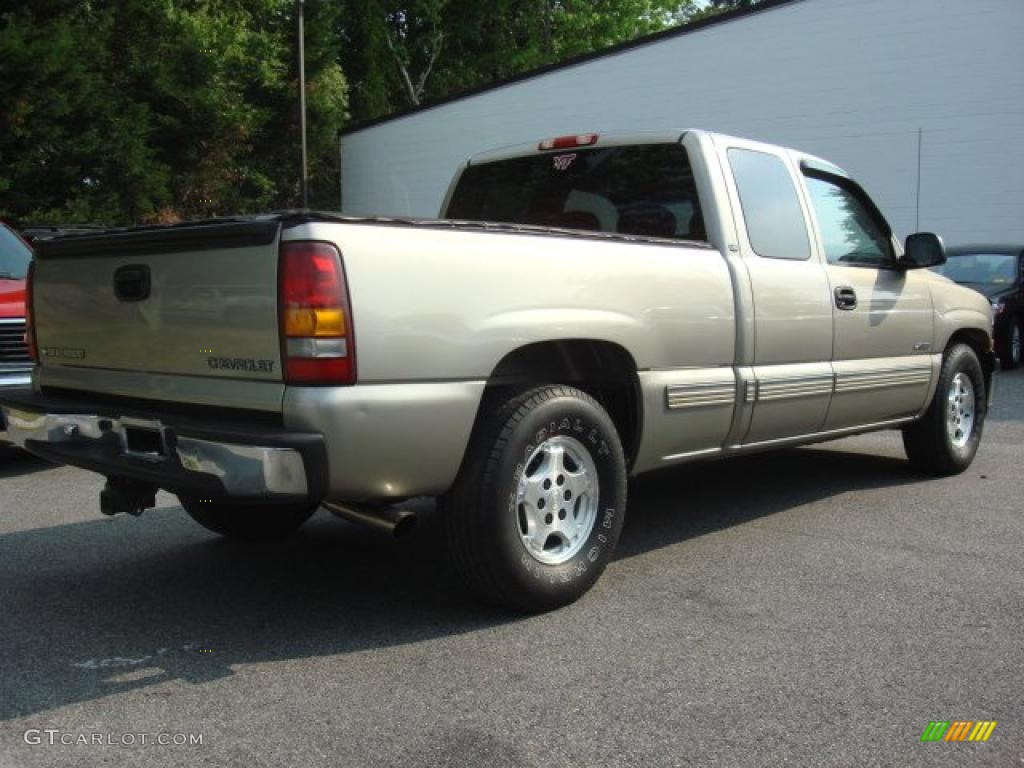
(30, 326)
(569, 142)
(317, 343)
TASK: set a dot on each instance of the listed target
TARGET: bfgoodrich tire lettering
(483, 511)
(945, 440)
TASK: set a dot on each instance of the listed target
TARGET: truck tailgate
(185, 301)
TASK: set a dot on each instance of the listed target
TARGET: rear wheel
(248, 522)
(536, 512)
(1010, 354)
(945, 440)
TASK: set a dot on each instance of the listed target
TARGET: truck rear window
(645, 189)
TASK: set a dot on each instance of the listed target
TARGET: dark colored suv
(996, 271)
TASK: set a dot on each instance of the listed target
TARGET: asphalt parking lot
(817, 606)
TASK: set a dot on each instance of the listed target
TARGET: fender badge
(70, 353)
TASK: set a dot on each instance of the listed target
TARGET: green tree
(140, 110)
(131, 111)
(402, 53)
(719, 6)
(70, 147)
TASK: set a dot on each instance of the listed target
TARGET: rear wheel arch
(603, 369)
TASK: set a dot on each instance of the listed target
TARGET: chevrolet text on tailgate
(588, 308)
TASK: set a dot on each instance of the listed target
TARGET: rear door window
(645, 190)
(771, 209)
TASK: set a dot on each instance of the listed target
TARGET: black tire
(928, 442)
(1008, 358)
(248, 522)
(485, 520)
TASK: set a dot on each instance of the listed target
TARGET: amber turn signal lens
(319, 323)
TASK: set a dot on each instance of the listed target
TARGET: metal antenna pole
(917, 203)
(299, 9)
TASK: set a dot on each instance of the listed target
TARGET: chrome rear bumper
(171, 455)
(12, 376)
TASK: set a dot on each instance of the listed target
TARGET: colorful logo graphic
(562, 162)
(958, 730)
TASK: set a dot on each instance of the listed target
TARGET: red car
(15, 364)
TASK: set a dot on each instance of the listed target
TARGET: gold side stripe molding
(855, 382)
(700, 395)
(790, 388)
(679, 396)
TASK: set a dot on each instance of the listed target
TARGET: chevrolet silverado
(587, 308)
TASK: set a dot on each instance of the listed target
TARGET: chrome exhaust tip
(391, 521)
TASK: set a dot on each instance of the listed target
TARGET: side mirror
(923, 249)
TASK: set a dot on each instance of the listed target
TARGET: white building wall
(853, 81)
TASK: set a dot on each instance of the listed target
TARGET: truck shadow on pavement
(103, 607)
(15, 462)
(673, 505)
(1008, 405)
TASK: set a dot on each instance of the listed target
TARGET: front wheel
(245, 522)
(537, 509)
(945, 440)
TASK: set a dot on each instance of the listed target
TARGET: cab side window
(771, 209)
(852, 231)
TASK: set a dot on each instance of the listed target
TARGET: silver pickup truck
(588, 308)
